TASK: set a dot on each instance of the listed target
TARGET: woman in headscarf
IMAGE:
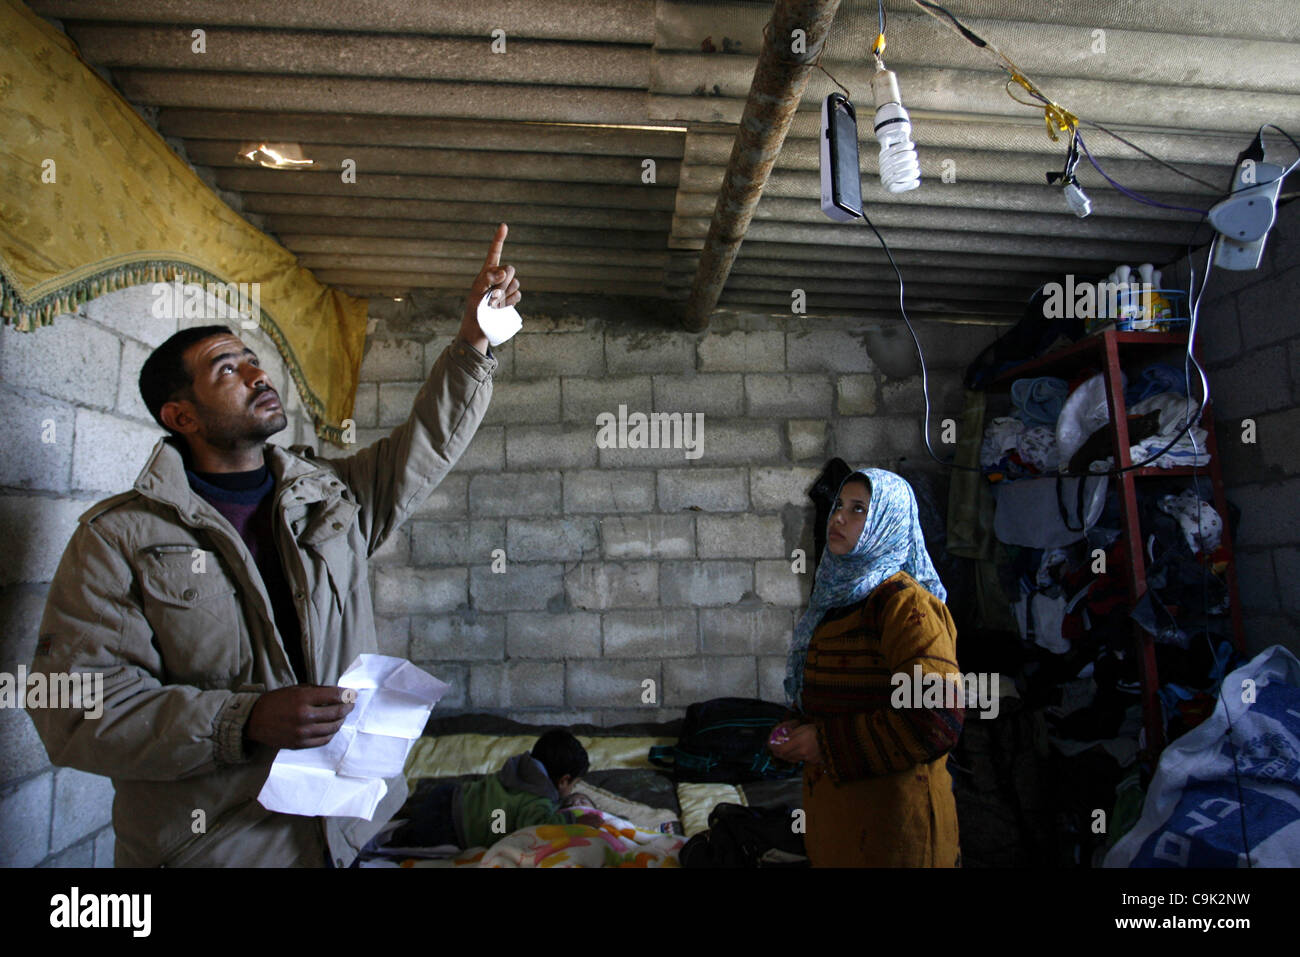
(876, 788)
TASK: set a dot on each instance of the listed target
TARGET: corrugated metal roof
(551, 136)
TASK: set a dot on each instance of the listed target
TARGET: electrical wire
(1131, 194)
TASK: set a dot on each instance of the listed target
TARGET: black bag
(741, 836)
(725, 740)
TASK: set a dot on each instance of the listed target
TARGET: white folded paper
(497, 323)
(345, 778)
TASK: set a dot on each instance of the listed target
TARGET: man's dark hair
(561, 754)
(164, 377)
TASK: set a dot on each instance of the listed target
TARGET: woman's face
(848, 515)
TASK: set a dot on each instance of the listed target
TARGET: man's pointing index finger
(498, 241)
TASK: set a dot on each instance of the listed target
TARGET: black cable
(966, 31)
(881, 16)
(1061, 473)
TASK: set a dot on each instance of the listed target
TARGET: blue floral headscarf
(891, 542)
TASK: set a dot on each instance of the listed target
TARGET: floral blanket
(616, 843)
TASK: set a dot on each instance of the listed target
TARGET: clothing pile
(1061, 426)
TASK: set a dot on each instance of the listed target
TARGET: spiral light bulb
(900, 170)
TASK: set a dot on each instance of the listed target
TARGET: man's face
(234, 403)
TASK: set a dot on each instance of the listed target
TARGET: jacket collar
(163, 477)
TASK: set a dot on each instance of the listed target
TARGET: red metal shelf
(1103, 349)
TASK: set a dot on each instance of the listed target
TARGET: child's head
(563, 757)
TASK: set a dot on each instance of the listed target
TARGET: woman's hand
(802, 745)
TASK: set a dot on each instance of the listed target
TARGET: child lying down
(532, 788)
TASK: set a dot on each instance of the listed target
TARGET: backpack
(741, 836)
(725, 740)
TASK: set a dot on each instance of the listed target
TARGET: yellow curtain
(93, 200)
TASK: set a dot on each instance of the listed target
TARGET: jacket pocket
(195, 616)
(327, 536)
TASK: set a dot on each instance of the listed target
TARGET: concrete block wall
(629, 583)
(74, 430)
(1249, 331)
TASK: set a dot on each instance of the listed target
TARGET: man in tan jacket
(222, 597)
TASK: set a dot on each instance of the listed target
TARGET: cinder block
(739, 442)
(30, 461)
(1217, 331)
(1256, 583)
(78, 856)
(648, 536)
(21, 750)
(827, 350)
(486, 451)
(1266, 310)
(457, 543)
(774, 488)
(1255, 382)
(130, 312)
(745, 630)
(699, 679)
(742, 352)
(740, 536)
(393, 360)
(108, 451)
(681, 442)
(129, 400)
(776, 584)
(71, 359)
(1277, 441)
(396, 549)
(395, 402)
(652, 633)
(25, 810)
(416, 591)
(649, 352)
(20, 622)
(448, 500)
(517, 684)
(38, 530)
(876, 438)
(602, 490)
(83, 803)
(546, 635)
(460, 636)
(456, 675)
(720, 396)
(586, 399)
(540, 356)
(771, 679)
(519, 588)
(855, 394)
(571, 446)
(524, 401)
(704, 584)
(709, 490)
(533, 493)
(1270, 514)
(444, 334)
(602, 585)
(788, 396)
(617, 684)
(949, 345)
(807, 439)
(393, 636)
(365, 407)
(553, 539)
(105, 847)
